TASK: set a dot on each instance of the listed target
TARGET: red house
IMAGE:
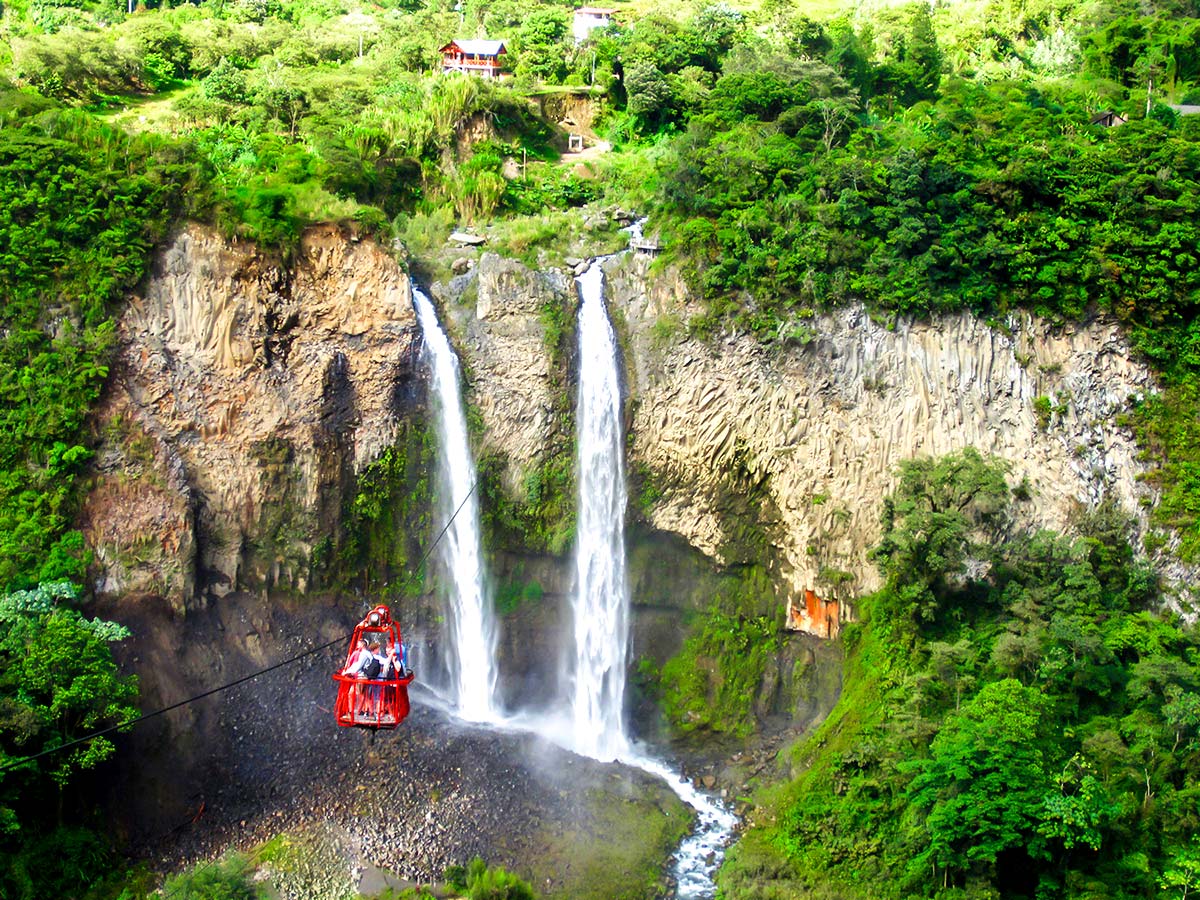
(480, 58)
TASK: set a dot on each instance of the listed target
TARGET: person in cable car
(358, 659)
(385, 677)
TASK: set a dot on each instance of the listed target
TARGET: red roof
(475, 48)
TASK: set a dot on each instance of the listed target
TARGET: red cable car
(373, 702)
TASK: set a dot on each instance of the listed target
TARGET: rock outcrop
(245, 393)
(503, 338)
(807, 437)
(784, 452)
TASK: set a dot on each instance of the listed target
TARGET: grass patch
(618, 848)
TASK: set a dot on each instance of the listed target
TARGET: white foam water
(600, 600)
(472, 656)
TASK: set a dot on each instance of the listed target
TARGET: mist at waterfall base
(601, 597)
(590, 721)
(471, 662)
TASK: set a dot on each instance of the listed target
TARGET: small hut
(1109, 119)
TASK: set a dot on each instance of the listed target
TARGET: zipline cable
(12, 764)
(412, 575)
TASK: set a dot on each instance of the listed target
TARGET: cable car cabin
(381, 701)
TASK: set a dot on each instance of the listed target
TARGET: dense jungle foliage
(1034, 732)
(1031, 732)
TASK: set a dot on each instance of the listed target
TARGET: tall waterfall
(601, 599)
(472, 654)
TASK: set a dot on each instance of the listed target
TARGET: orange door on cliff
(373, 682)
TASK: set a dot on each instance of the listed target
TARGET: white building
(588, 19)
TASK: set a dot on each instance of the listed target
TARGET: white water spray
(601, 597)
(472, 658)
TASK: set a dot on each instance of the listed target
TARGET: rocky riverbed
(411, 802)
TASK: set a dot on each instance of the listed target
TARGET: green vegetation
(228, 879)
(614, 848)
(1030, 729)
(1168, 428)
(517, 591)
(543, 518)
(386, 523)
(58, 682)
(80, 205)
(713, 682)
(478, 881)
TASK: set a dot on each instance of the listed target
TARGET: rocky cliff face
(245, 393)
(248, 393)
(808, 437)
(502, 337)
(747, 448)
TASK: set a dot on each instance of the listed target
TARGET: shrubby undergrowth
(1033, 730)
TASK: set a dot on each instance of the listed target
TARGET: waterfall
(601, 598)
(600, 602)
(472, 652)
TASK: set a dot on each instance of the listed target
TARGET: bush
(227, 879)
(479, 882)
(226, 82)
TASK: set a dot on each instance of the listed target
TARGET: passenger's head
(374, 647)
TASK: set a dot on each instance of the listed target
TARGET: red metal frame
(372, 703)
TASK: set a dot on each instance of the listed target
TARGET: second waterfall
(472, 652)
(601, 601)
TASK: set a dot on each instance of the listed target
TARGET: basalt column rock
(505, 340)
(245, 395)
(794, 444)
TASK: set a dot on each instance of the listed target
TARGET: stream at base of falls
(590, 718)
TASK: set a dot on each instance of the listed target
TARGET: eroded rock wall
(498, 313)
(247, 393)
(244, 395)
(760, 452)
(811, 434)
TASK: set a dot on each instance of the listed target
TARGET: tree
(648, 92)
(58, 682)
(938, 515)
(982, 789)
(541, 42)
(226, 82)
(1183, 872)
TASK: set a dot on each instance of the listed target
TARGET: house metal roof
(477, 48)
